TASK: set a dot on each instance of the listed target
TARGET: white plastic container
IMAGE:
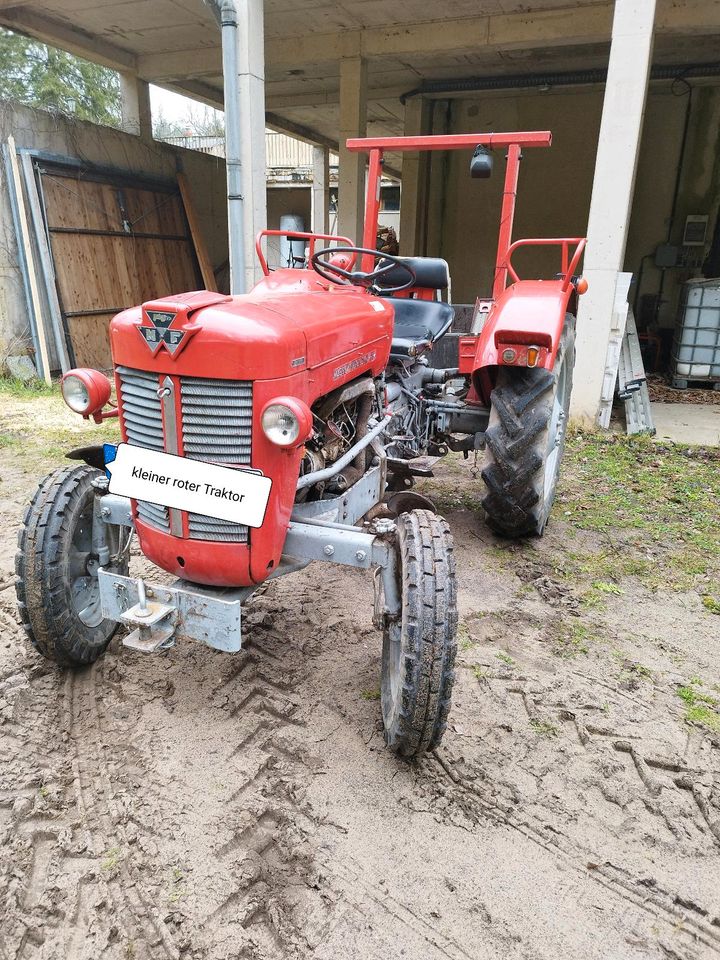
(696, 347)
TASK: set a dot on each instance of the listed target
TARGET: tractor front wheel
(419, 646)
(58, 590)
(525, 441)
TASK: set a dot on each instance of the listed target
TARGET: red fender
(529, 313)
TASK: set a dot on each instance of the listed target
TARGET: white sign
(205, 488)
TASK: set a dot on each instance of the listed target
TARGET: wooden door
(115, 243)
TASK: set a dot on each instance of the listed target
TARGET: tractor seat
(430, 272)
(418, 321)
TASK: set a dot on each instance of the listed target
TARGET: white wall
(555, 183)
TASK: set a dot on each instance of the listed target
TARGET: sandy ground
(199, 805)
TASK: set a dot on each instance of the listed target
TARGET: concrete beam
(613, 186)
(68, 38)
(353, 123)
(181, 64)
(135, 110)
(540, 28)
(288, 101)
(299, 131)
(320, 197)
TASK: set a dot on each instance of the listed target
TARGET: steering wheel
(359, 278)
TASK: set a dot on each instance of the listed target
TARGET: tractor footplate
(163, 614)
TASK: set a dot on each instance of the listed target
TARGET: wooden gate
(115, 242)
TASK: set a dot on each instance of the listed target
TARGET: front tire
(525, 441)
(419, 647)
(57, 585)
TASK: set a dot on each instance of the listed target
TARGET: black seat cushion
(418, 321)
(430, 272)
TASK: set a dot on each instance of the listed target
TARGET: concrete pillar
(613, 185)
(353, 123)
(251, 77)
(136, 115)
(320, 200)
(437, 178)
(413, 194)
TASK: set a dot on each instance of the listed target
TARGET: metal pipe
(227, 16)
(561, 79)
(319, 475)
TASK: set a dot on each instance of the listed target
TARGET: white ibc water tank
(696, 348)
(292, 252)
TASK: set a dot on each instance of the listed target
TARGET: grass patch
(711, 604)
(12, 387)
(610, 483)
(603, 587)
(572, 640)
(543, 728)
(111, 859)
(505, 658)
(177, 888)
(465, 641)
(700, 708)
(373, 694)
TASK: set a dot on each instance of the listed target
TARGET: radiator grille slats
(142, 418)
(217, 428)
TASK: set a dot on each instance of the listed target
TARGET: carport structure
(328, 71)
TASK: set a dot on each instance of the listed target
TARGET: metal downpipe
(226, 14)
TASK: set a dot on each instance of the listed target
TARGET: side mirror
(481, 164)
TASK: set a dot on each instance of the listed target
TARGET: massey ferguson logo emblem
(160, 333)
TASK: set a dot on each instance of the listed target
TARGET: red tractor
(261, 432)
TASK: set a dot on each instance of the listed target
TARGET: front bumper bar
(161, 615)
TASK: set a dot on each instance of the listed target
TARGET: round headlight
(85, 391)
(75, 394)
(280, 425)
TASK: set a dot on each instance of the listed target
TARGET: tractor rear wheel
(58, 590)
(525, 441)
(419, 646)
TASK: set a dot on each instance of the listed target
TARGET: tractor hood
(278, 329)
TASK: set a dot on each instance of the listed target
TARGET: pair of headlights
(285, 421)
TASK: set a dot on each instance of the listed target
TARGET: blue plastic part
(109, 454)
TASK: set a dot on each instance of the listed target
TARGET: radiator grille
(216, 427)
(142, 418)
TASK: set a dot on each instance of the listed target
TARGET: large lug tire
(419, 647)
(57, 584)
(525, 442)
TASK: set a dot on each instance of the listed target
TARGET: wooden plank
(206, 268)
(70, 202)
(91, 340)
(154, 212)
(32, 273)
(46, 262)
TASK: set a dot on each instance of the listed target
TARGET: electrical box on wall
(695, 233)
(666, 256)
